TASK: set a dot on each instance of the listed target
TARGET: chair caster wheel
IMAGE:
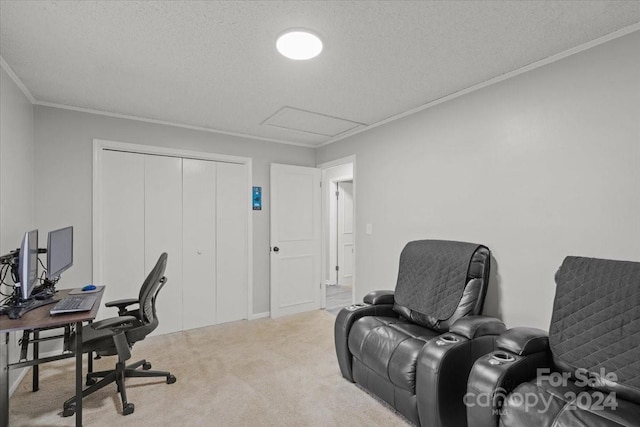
(171, 379)
(69, 411)
(146, 366)
(128, 409)
(90, 382)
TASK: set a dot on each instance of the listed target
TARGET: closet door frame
(101, 145)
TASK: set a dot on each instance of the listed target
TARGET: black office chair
(116, 336)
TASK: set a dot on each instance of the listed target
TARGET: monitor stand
(16, 310)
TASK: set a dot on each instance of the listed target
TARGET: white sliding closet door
(163, 233)
(122, 211)
(231, 224)
(199, 243)
(197, 211)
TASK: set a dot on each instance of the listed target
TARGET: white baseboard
(259, 315)
(23, 372)
(18, 380)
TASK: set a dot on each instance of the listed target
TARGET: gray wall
(63, 177)
(16, 176)
(537, 167)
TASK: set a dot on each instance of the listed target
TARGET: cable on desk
(3, 274)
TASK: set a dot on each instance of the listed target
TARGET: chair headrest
(150, 287)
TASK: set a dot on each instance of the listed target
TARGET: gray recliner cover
(432, 276)
(595, 335)
(379, 345)
(596, 322)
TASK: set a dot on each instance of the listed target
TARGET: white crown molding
(16, 80)
(168, 123)
(34, 101)
(553, 58)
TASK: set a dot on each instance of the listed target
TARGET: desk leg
(90, 357)
(4, 379)
(78, 350)
(36, 355)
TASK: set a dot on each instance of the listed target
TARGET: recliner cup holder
(447, 339)
(353, 307)
(501, 356)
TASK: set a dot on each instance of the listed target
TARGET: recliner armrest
(114, 322)
(443, 368)
(379, 297)
(477, 326)
(524, 341)
(496, 374)
(344, 321)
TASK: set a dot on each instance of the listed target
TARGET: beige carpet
(265, 372)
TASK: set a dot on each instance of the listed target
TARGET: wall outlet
(369, 229)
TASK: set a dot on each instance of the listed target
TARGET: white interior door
(199, 243)
(122, 239)
(345, 233)
(295, 239)
(231, 243)
(163, 233)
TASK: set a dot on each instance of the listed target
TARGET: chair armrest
(113, 322)
(477, 326)
(498, 373)
(524, 341)
(122, 304)
(379, 297)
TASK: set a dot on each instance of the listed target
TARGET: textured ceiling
(214, 65)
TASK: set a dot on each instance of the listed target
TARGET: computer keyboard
(72, 304)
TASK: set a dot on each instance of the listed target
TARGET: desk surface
(40, 317)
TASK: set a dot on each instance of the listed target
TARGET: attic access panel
(309, 122)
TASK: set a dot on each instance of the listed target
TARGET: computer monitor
(59, 251)
(28, 264)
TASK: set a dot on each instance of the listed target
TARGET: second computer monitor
(59, 251)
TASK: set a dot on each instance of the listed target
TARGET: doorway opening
(338, 234)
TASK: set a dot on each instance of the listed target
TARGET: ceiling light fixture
(299, 44)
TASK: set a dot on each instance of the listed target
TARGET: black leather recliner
(414, 347)
(584, 372)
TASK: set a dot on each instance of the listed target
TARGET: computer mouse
(88, 288)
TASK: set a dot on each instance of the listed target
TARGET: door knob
(276, 249)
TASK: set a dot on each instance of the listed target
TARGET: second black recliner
(584, 372)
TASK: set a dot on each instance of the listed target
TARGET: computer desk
(39, 318)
